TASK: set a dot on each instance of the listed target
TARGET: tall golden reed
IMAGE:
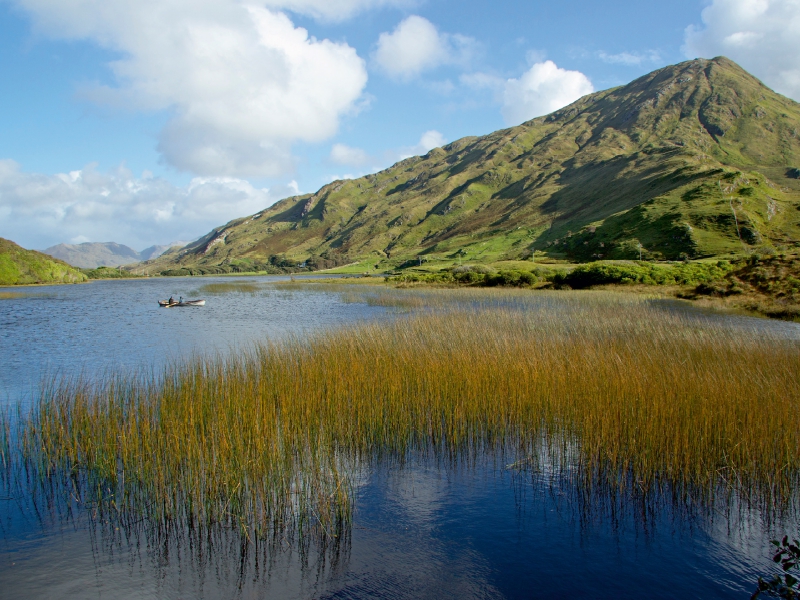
(272, 439)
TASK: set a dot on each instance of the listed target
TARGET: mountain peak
(693, 159)
(90, 255)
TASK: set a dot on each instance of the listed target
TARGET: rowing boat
(168, 304)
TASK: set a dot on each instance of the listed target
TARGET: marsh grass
(17, 295)
(612, 395)
(228, 287)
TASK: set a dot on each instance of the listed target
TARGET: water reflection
(430, 528)
(427, 528)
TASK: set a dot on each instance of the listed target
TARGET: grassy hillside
(19, 266)
(694, 160)
(769, 285)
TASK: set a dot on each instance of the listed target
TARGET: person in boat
(181, 300)
(171, 300)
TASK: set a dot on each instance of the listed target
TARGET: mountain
(91, 255)
(693, 160)
(154, 252)
(21, 266)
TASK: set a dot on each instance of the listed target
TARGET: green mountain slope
(19, 266)
(693, 160)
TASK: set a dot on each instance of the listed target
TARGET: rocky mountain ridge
(90, 255)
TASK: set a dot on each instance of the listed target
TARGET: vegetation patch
(585, 276)
(766, 284)
(108, 273)
(19, 266)
(613, 394)
(478, 276)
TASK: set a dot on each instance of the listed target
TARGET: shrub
(593, 274)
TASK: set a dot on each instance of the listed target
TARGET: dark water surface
(427, 530)
(424, 531)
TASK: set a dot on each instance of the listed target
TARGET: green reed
(228, 287)
(273, 440)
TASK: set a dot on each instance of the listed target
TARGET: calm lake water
(422, 531)
(85, 329)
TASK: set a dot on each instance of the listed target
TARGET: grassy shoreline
(272, 441)
(766, 286)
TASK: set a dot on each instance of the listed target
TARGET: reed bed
(273, 440)
(227, 287)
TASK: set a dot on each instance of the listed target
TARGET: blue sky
(152, 121)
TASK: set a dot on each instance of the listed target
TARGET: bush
(440, 277)
(510, 279)
(593, 274)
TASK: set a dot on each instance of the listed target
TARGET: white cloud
(630, 59)
(761, 35)
(542, 89)
(331, 10)
(348, 156)
(355, 157)
(427, 142)
(430, 140)
(42, 210)
(416, 46)
(241, 81)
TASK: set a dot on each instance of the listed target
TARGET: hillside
(91, 255)
(693, 160)
(19, 266)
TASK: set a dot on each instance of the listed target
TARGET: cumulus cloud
(348, 156)
(541, 90)
(416, 46)
(242, 83)
(761, 35)
(41, 210)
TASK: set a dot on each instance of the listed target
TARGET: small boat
(192, 303)
(168, 304)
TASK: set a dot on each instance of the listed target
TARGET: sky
(150, 121)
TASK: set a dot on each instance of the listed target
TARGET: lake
(117, 324)
(425, 529)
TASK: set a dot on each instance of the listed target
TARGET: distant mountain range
(694, 160)
(91, 255)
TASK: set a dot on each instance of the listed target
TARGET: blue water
(426, 530)
(113, 324)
